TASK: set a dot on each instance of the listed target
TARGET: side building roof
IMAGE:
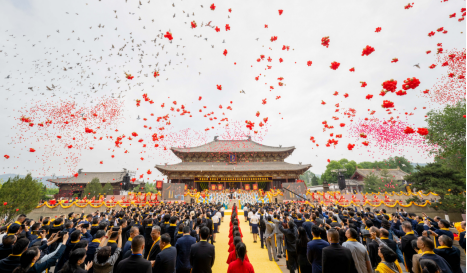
(396, 174)
(86, 177)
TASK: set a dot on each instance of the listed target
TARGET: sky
(40, 39)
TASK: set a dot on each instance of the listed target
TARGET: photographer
(104, 260)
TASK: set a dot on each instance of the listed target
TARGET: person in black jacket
(8, 264)
(209, 224)
(166, 259)
(56, 227)
(92, 246)
(373, 248)
(30, 257)
(385, 238)
(337, 258)
(419, 228)
(148, 225)
(406, 245)
(262, 227)
(7, 247)
(202, 254)
(164, 224)
(172, 229)
(450, 253)
(290, 237)
(94, 226)
(136, 262)
(113, 241)
(154, 248)
(75, 259)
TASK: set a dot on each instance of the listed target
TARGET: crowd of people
(180, 238)
(165, 238)
(355, 239)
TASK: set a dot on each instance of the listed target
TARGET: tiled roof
(232, 146)
(86, 177)
(240, 166)
(353, 182)
(396, 174)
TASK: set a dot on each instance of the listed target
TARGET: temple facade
(233, 164)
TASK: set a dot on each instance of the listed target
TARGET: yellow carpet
(258, 257)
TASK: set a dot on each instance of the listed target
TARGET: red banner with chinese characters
(220, 187)
(247, 187)
(159, 184)
(298, 181)
(213, 187)
(255, 187)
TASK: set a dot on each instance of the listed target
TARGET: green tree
(150, 187)
(399, 161)
(108, 189)
(314, 181)
(449, 184)
(381, 183)
(367, 165)
(44, 193)
(446, 134)
(331, 177)
(93, 189)
(307, 176)
(351, 167)
(51, 191)
(21, 194)
(372, 183)
(390, 163)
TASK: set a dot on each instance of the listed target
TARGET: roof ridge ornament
(215, 138)
(248, 138)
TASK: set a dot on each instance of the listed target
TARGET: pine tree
(447, 183)
(372, 183)
(447, 135)
(150, 187)
(108, 189)
(21, 194)
(93, 189)
(314, 181)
